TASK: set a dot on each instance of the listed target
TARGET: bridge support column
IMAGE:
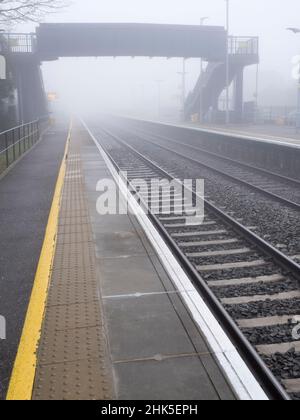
(32, 103)
(239, 95)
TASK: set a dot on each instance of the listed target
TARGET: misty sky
(127, 83)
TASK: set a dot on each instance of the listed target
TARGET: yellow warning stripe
(23, 374)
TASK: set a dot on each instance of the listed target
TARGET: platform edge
(23, 373)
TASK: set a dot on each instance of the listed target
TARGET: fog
(130, 85)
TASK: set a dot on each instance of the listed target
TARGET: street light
(202, 20)
(159, 82)
(297, 31)
(227, 62)
(183, 74)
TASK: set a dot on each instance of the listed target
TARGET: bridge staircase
(205, 96)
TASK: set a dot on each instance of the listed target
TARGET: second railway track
(273, 185)
(256, 284)
(273, 217)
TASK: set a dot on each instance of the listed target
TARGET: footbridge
(25, 52)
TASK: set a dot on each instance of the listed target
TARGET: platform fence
(17, 43)
(18, 140)
(242, 45)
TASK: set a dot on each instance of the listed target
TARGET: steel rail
(261, 372)
(225, 158)
(265, 246)
(275, 197)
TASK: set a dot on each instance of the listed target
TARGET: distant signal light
(52, 96)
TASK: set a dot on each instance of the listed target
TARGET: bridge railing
(243, 45)
(16, 141)
(18, 43)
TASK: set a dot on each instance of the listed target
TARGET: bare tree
(16, 11)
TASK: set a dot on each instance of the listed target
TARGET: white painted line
(281, 141)
(235, 369)
(148, 294)
(248, 135)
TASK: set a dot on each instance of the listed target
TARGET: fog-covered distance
(130, 85)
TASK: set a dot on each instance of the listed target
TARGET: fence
(277, 115)
(18, 43)
(243, 45)
(16, 141)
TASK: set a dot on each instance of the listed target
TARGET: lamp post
(227, 62)
(297, 31)
(159, 82)
(183, 73)
(256, 93)
(202, 20)
(298, 106)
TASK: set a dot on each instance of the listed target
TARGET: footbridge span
(25, 52)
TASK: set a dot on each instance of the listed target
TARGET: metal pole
(159, 98)
(297, 31)
(256, 94)
(20, 98)
(298, 106)
(202, 20)
(227, 63)
(6, 149)
(201, 92)
(183, 87)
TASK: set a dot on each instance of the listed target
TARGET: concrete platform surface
(26, 194)
(114, 325)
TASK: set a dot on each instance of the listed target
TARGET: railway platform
(26, 193)
(105, 320)
(264, 133)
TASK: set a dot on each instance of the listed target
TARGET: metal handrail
(25, 43)
(18, 140)
(242, 45)
(17, 127)
(42, 118)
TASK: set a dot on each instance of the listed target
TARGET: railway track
(251, 286)
(277, 187)
(273, 217)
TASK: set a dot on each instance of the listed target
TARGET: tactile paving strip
(80, 380)
(73, 361)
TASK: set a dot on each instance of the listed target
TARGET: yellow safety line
(23, 374)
